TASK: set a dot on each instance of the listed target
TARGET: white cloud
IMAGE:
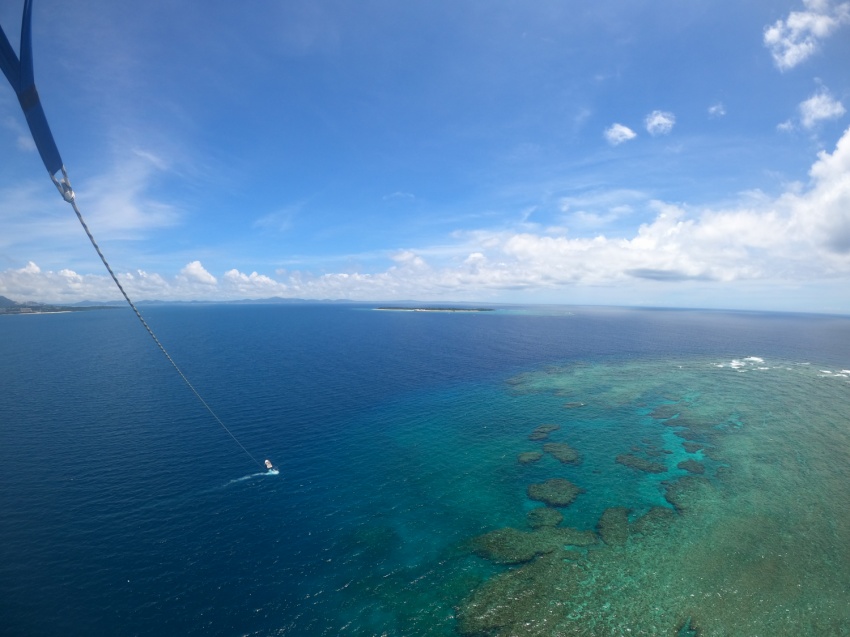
(717, 110)
(800, 239)
(409, 259)
(616, 134)
(598, 208)
(793, 40)
(819, 107)
(196, 273)
(117, 205)
(659, 123)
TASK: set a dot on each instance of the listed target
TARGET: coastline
(434, 309)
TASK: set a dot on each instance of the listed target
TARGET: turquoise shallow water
(126, 511)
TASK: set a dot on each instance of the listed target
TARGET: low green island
(8, 306)
(435, 309)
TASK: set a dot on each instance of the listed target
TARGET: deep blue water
(126, 510)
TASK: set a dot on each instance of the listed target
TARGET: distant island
(8, 306)
(436, 309)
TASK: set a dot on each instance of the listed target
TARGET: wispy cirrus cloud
(796, 38)
(280, 220)
(119, 203)
(717, 110)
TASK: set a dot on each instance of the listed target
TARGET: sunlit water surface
(127, 510)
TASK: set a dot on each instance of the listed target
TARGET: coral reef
(712, 454)
(543, 517)
(687, 434)
(512, 546)
(641, 464)
(566, 536)
(555, 492)
(542, 432)
(511, 599)
(563, 452)
(691, 465)
(653, 520)
(527, 457)
(683, 493)
(692, 447)
(614, 526)
(663, 412)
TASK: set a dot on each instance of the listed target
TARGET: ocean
(526, 471)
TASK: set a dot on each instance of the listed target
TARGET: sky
(619, 152)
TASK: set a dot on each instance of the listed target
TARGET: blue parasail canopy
(20, 75)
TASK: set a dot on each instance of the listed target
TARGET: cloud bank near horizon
(799, 236)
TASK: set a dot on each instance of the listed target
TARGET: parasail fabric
(19, 72)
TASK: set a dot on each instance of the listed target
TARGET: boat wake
(251, 476)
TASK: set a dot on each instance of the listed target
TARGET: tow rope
(19, 73)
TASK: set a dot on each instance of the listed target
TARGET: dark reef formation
(684, 492)
(543, 517)
(510, 601)
(692, 447)
(613, 526)
(556, 492)
(663, 412)
(563, 452)
(641, 464)
(542, 432)
(692, 466)
(527, 457)
(512, 546)
(656, 519)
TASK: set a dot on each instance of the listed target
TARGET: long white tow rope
(68, 195)
(19, 72)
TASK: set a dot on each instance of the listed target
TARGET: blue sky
(659, 153)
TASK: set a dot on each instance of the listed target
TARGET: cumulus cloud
(196, 273)
(819, 107)
(797, 37)
(616, 134)
(659, 123)
(799, 238)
